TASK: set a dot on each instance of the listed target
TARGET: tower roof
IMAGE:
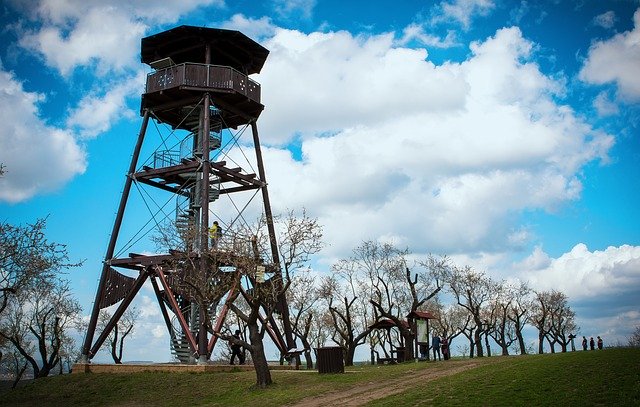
(187, 44)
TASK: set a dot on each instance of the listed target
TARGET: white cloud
(256, 29)
(605, 20)
(583, 274)
(462, 11)
(74, 33)
(95, 113)
(616, 60)
(439, 157)
(38, 157)
(417, 32)
(286, 8)
(604, 106)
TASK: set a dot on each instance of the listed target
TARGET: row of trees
(375, 282)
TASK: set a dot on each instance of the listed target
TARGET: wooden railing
(203, 76)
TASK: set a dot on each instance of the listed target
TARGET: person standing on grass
(584, 343)
(236, 350)
(592, 343)
(599, 343)
(436, 347)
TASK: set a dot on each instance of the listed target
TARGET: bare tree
(634, 339)
(304, 297)
(562, 320)
(554, 319)
(502, 328)
(472, 290)
(36, 321)
(451, 320)
(349, 312)
(27, 258)
(123, 328)
(520, 313)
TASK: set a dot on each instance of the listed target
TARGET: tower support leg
(85, 356)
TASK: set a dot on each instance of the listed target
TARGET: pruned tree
(540, 317)
(122, 329)
(562, 320)
(27, 258)
(303, 301)
(472, 291)
(349, 311)
(520, 312)
(299, 238)
(502, 328)
(36, 323)
(451, 320)
(554, 319)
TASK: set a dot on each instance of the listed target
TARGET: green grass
(610, 377)
(602, 378)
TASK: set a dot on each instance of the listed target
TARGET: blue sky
(502, 133)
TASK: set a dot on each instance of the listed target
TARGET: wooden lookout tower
(200, 87)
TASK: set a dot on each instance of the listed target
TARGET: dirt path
(362, 394)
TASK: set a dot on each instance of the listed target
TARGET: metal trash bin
(330, 359)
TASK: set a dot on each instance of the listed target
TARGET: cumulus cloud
(256, 29)
(584, 274)
(616, 60)
(95, 113)
(38, 157)
(72, 33)
(438, 157)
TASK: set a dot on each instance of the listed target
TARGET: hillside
(609, 377)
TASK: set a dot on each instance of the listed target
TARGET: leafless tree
(554, 319)
(540, 317)
(472, 291)
(634, 339)
(304, 297)
(36, 322)
(349, 311)
(123, 328)
(451, 320)
(502, 328)
(520, 312)
(27, 258)
(562, 320)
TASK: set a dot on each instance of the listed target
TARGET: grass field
(600, 378)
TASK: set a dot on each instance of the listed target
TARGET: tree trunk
(540, 342)
(348, 356)
(523, 349)
(263, 375)
(486, 342)
(477, 339)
